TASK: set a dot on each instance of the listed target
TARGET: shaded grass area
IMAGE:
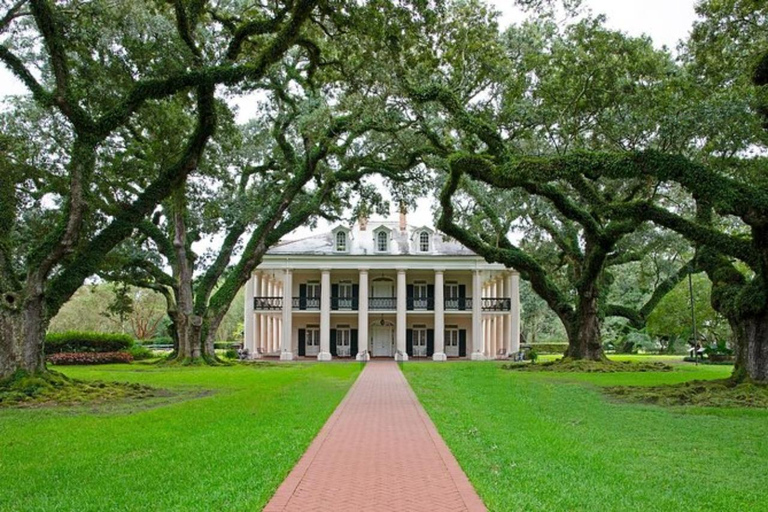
(565, 365)
(552, 442)
(228, 450)
(57, 389)
(716, 393)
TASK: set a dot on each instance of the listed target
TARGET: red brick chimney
(362, 220)
(403, 217)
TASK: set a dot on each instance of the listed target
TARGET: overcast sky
(666, 21)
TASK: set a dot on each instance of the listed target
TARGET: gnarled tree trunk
(583, 328)
(751, 350)
(22, 335)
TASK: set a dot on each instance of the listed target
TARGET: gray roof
(361, 242)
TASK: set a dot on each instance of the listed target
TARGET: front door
(381, 341)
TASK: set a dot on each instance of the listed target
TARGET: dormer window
(382, 241)
(381, 238)
(424, 242)
(341, 241)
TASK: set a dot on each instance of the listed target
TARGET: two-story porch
(402, 307)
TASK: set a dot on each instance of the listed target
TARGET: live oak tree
(94, 71)
(585, 87)
(324, 123)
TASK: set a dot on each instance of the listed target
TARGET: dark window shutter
(430, 296)
(463, 343)
(333, 342)
(409, 296)
(334, 297)
(462, 297)
(430, 342)
(302, 296)
(302, 342)
(409, 342)
(353, 343)
(355, 296)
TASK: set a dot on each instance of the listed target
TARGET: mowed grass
(554, 442)
(226, 446)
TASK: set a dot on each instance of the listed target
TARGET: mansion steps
(381, 289)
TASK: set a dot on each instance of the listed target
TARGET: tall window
(424, 242)
(341, 241)
(382, 240)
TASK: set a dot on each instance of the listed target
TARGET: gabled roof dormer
(341, 238)
(382, 237)
(422, 240)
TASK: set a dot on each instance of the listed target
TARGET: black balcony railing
(267, 303)
(344, 303)
(311, 303)
(496, 304)
(458, 304)
(380, 303)
(420, 303)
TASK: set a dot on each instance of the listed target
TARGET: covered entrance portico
(383, 339)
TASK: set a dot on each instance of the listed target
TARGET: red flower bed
(90, 358)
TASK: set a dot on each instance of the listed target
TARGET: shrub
(90, 358)
(159, 340)
(231, 353)
(550, 348)
(139, 352)
(533, 356)
(74, 341)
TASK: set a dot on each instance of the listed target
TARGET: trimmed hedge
(90, 358)
(549, 348)
(74, 341)
(226, 345)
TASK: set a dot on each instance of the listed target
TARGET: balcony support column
(362, 317)
(325, 316)
(286, 324)
(401, 354)
(477, 317)
(439, 351)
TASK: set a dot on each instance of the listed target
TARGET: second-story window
(382, 241)
(341, 241)
(424, 242)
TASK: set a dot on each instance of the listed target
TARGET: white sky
(666, 21)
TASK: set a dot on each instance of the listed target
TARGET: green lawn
(228, 450)
(553, 442)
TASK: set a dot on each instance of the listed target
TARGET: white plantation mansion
(380, 289)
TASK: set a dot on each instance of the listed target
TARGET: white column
(286, 352)
(513, 285)
(362, 317)
(249, 341)
(325, 316)
(439, 353)
(401, 355)
(477, 317)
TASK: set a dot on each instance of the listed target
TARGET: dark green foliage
(74, 341)
(140, 353)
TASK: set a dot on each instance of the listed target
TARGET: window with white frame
(424, 241)
(420, 295)
(420, 341)
(345, 295)
(341, 241)
(451, 295)
(452, 340)
(343, 340)
(312, 340)
(382, 241)
(313, 295)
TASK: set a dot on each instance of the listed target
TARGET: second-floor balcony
(382, 304)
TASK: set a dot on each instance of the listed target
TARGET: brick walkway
(379, 451)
